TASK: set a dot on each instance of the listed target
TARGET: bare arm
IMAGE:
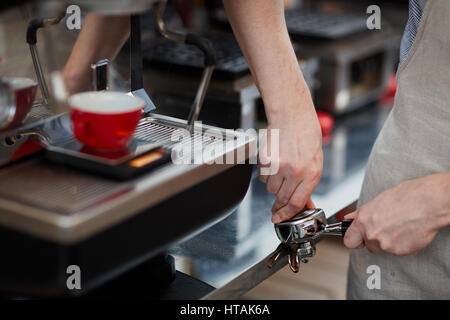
(100, 38)
(261, 31)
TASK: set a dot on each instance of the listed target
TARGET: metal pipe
(39, 73)
(33, 27)
(208, 50)
(161, 27)
(199, 98)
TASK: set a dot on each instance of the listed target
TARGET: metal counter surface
(232, 255)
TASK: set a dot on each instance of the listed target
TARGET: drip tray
(55, 188)
(149, 149)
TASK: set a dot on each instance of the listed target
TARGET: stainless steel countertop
(232, 255)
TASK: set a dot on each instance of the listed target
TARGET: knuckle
(386, 245)
(372, 234)
(297, 170)
(283, 165)
(360, 226)
(363, 218)
(291, 168)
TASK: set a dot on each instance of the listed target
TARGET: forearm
(260, 28)
(100, 38)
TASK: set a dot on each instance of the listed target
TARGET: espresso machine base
(35, 267)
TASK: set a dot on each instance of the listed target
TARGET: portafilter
(298, 236)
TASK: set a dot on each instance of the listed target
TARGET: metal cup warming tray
(53, 216)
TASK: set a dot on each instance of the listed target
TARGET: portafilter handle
(308, 225)
(337, 229)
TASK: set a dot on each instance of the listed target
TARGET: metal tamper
(298, 236)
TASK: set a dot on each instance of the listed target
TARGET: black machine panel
(230, 62)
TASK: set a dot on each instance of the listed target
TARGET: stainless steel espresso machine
(115, 215)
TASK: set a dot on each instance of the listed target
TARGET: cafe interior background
(197, 231)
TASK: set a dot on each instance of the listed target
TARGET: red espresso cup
(24, 93)
(105, 120)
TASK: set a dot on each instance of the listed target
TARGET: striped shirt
(415, 14)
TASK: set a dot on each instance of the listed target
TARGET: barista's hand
(402, 220)
(296, 164)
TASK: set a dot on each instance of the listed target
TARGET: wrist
(437, 186)
(291, 103)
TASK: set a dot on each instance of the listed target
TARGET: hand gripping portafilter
(210, 58)
(298, 236)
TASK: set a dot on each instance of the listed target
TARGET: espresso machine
(112, 217)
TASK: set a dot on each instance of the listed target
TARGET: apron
(414, 142)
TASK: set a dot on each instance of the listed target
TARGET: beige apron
(414, 142)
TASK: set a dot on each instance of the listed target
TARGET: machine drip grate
(56, 188)
(153, 132)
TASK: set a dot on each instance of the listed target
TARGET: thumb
(354, 238)
(351, 215)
